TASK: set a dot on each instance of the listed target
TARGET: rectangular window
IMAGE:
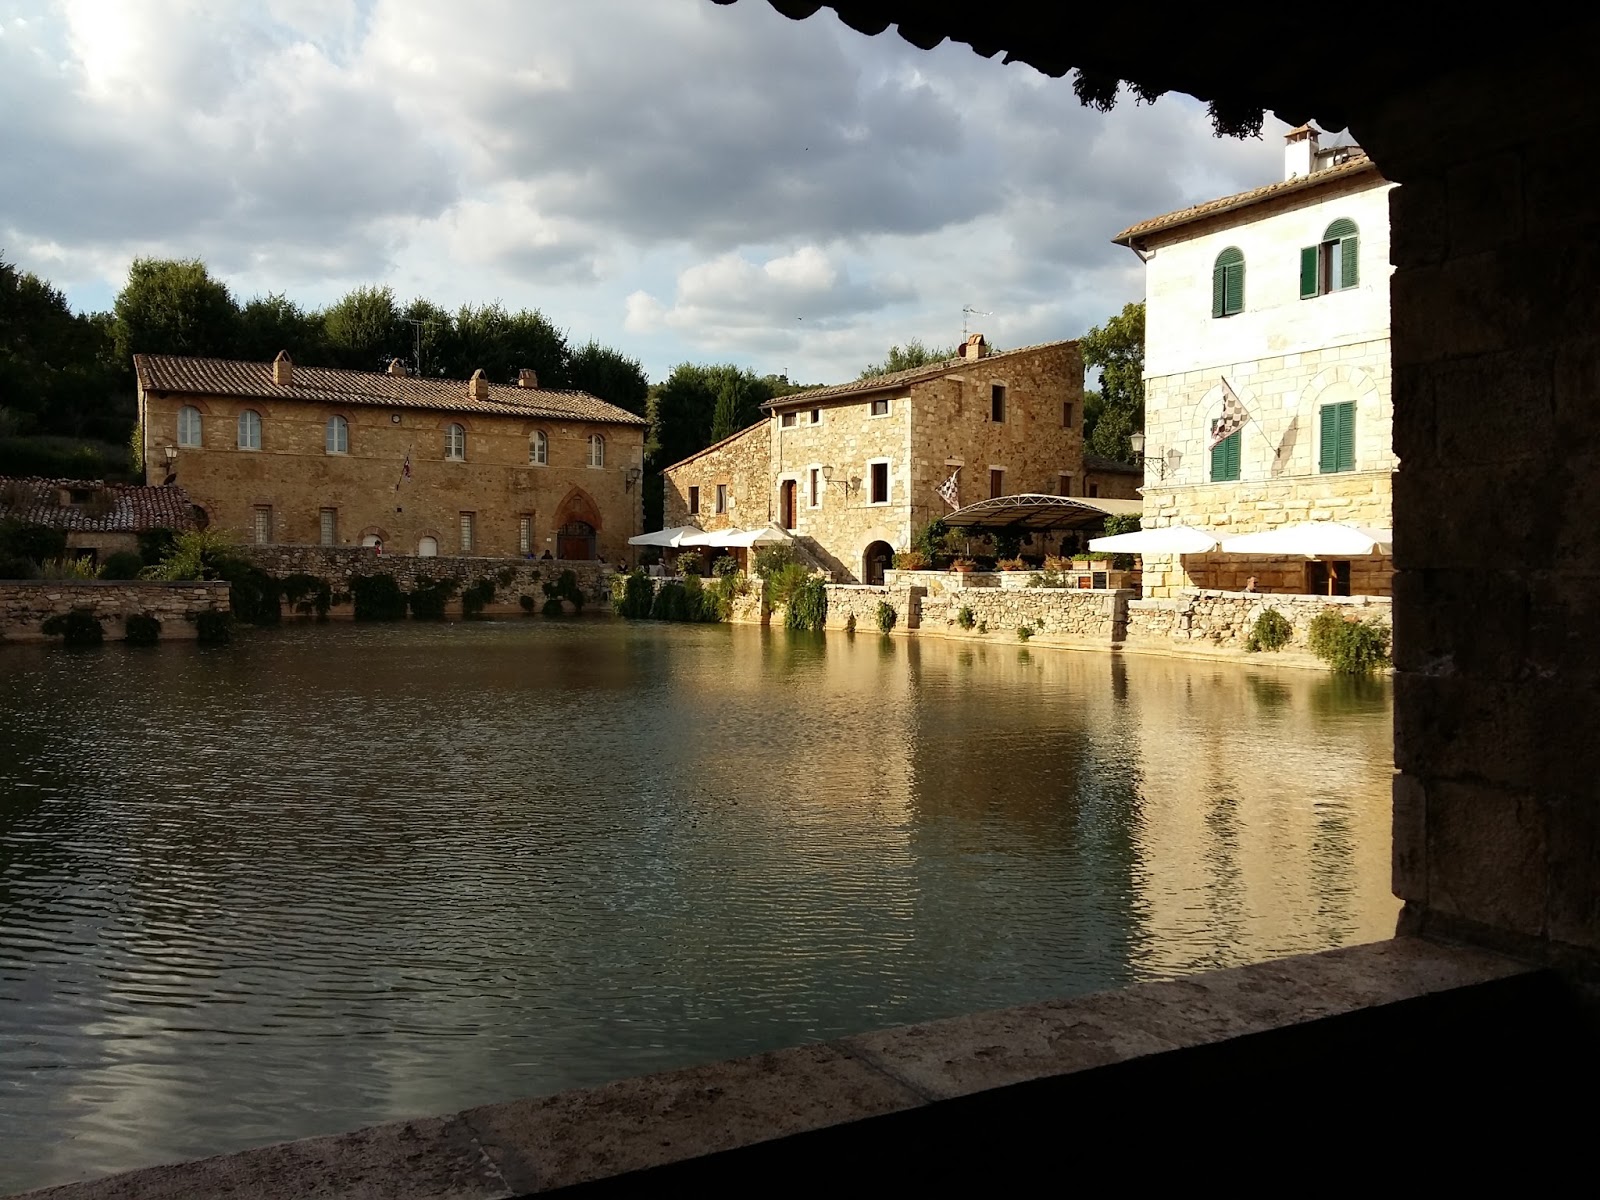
(997, 402)
(787, 420)
(1330, 266)
(1328, 578)
(1067, 413)
(880, 408)
(1225, 459)
(263, 527)
(814, 487)
(466, 532)
(524, 534)
(329, 526)
(722, 497)
(694, 502)
(880, 483)
(1094, 491)
(1064, 484)
(816, 416)
(1338, 440)
(997, 482)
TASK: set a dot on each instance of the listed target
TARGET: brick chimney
(478, 385)
(283, 369)
(974, 347)
(527, 378)
(397, 367)
(1300, 152)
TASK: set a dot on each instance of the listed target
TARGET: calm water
(330, 876)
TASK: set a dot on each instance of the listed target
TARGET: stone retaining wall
(1061, 615)
(1224, 619)
(27, 603)
(861, 601)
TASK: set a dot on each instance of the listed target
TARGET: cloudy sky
(680, 180)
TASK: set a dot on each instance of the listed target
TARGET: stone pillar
(1496, 302)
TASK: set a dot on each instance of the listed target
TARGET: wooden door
(788, 503)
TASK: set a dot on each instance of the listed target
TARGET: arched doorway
(428, 547)
(875, 559)
(575, 540)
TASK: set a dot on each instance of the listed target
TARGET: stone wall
(26, 604)
(846, 600)
(1223, 620)
(741, 465)
(1056, 615)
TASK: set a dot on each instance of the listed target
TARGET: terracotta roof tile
(133, 507)
(899, 379)
(330, 385)
(1356, 166)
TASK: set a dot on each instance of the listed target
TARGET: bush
(194, 554)
(378, 598)
(689, 562)
(1347, 645)
(505, 576)
(724, 565)
(213, 626)
(782, 586)
(808, 606)
(911, 560)
(1024, 632)
(141, 629)
(124, 564)
(30, 543)
(564, 588)
(552, 606)
(253, 595)
(427, 600)
(773, 560)
(154, 545)
(1007, 543)
(983, 627)
(476, 597)
(1271, 631)
(526, 601)
(965, 619)
(308, 594)
(850, 623)
(886, 617)
(80, 627)
(69, 568)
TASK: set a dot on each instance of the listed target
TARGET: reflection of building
(279, 453)
(1269, 312)
(853, 470)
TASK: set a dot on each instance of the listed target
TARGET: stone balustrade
(25, 604)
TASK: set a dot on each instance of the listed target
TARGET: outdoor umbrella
(1314, 539)
(665, 537)
(1174, 539)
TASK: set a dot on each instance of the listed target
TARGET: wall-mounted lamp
(849, 485)
(171, 452)
(1164, 463)
(631, 477)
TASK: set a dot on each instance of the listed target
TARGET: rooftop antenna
(416, 324)
(968, 311)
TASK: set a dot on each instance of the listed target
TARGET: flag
(947, 490)
(1231, 420)
(405, 471)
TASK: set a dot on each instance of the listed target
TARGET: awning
(1174, 539)
(733, 538)
(665, 537)
(1032, 511)
(1313, 539)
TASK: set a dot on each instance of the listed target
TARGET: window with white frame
(328, 526)
(539, 448)
(816, 416)
(722, 497)
(263, 524)
(880, 483)
(787, 420)
(249, 430)
(597, 450)
(189, 426)
(455, 443)
(336, 436)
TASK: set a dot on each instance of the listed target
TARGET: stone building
(283, 454)
(99, 519)
(853, 470)
(1109, 479)
(1272, 308)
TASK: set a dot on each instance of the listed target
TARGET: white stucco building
(1279, 295)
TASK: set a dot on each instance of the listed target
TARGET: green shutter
(1348, 276)
(1233, 454)
(1337, 443)
(1308, 272)
(1227, 283)
(1225, 459)
(1235, 296)
(1218, 289)
(1347, 436)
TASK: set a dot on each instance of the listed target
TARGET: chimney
(527, 378)
(478, 385)
(1300, 152)
(397, 367)
(974, 347)
(283, 369)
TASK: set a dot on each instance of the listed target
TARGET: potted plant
(1010, 564)
(964, 565)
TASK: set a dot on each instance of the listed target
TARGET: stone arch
(1335, 385)
(374, 535)
(873, 536)
(876, 558)
(578, 505)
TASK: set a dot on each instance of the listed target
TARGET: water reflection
(332, 876)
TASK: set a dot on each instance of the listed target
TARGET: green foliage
(684, 410)
(526, 601)
(475, 597)
(1271, 631)
(564, 588)
(886, 617)
(82, 567)
(141, 629)
(735, 407)
(808, 606)
(213, 626)
(124, 564)
(1349, 647)
(253, 595)
(196, 554)
(378, 598)
(632, 595)
(59, 376)
(1007, 543)
(61, 457)
(770, 560)
(268, 324)
(154, 545)
(724, 565)
(1127, 523)
(1024, 632)
(609, 374)
(669, 604)
(983, 627)
(911, 560)
(552, 606)
(80, 627)
(904, 358)
(689, 562)
(174, 306)
(850, 624)
(33, 544)
(427, 600)
(783, 585)
(308, 594)
(363, 330)
(1116, 351)
(933, 540)
(965, 619)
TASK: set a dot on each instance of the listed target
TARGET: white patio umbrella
(1174, 539)
(734, 537)
(665, 537)
(1314, 539)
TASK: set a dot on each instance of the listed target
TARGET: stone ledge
(596, 1134)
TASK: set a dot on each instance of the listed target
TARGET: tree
(58, 370)
(429, 330)
(609, 374)
(904, 358)
(732, 409)
(363, 330)
(174, 306)
(268, 324)
(501, 343)
(1117, 352)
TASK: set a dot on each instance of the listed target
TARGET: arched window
(539, 448)
(1227, 283)
(188, 425)
(428, 547)
(336, 436)
(249, 430)
(455, 443)
(1334, 263)
(597, 450)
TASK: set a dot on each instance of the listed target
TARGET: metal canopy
(1039, 512)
